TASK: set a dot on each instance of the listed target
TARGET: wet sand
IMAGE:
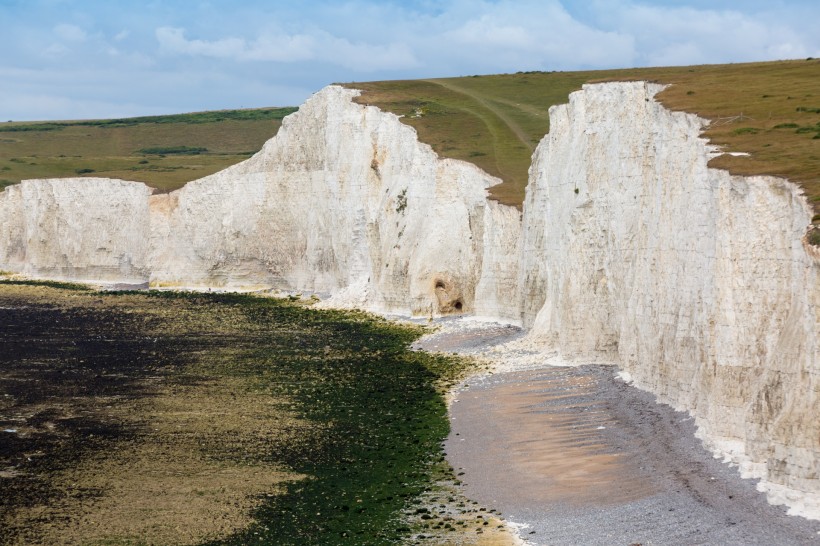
(576, 456)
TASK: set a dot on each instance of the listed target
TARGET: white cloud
(51, 105)
(70, 33)
(538, 33)
(366, 57)
(685, 35)
(483, 36)
(172, 40)
(317, 46)
(489, 31)
(55, 51)
(257, 53)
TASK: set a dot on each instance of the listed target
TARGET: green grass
(257, 114)
(198, 144)
(493, 121)
(173, 150)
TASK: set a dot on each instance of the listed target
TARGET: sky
(81, 59)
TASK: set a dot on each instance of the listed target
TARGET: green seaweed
(373, 411)
(380, 410)
(51, 284)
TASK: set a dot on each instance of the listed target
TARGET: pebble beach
(575, 455)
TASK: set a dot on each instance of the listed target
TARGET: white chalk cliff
(344, 202)
(631, 251)
(697, 283)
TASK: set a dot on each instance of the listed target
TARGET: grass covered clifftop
(165, 152)
(770, 110)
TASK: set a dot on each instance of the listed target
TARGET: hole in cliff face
(448, 296)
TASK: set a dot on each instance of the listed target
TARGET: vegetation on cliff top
(200, 144)
(770, 110)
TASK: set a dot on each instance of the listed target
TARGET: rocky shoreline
(575, 455)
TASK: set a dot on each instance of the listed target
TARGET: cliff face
(631, 251)
(697, 283)
(344, 202)
(76, 228)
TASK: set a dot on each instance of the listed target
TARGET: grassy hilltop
(770, 110)
(165, 152)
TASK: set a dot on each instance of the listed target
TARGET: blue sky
(69, 59)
